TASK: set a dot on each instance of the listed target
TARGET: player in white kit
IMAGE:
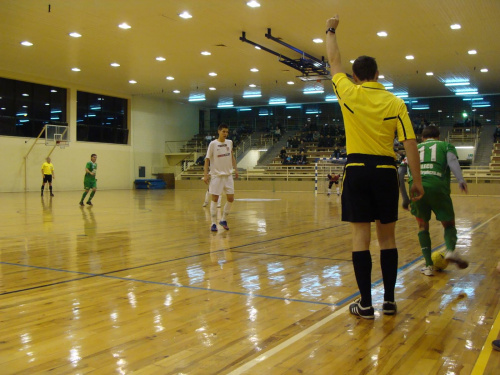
(222, 163)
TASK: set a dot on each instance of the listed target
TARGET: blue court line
(107, 274)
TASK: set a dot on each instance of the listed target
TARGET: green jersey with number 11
(434, 163)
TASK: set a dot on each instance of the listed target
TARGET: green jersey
(434, 163)
(91, 167)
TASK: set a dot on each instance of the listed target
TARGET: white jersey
(220, 155)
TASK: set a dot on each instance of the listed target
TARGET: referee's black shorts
(370, 189)
(47, 178)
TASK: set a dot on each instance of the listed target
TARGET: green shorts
(89, 183)
(436, 199)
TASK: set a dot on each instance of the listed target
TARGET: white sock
(227, 209)
(338, 190)
(218, 201)
(213, 211)
(207, 197)
(329, 191)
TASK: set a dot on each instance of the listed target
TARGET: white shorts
(219, 184)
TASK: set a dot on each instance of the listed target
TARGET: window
(101, 118)
(25, 108)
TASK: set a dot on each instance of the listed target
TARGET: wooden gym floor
(138, 284)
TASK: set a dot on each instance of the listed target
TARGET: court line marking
(252, 363)
(487, 349)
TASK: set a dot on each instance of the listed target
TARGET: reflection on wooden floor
(138, 283)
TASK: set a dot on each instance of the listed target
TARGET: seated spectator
(200, 160)
(302, 158)
(283, 153)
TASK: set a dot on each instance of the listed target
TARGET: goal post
(322, 168)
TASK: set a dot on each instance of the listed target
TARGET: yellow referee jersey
(372, 116)
(47, 168)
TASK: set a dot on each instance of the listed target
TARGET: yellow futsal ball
(439, 262)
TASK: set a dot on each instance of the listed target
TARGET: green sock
(450, 237)
(84, 195)
(425, 244)
(91, 195)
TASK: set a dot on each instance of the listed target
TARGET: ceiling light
(53, 90)
(206, 53)
(351, 61)
(26, 43)
(212, 88)
(331, 99)
(401, 94)
(252, 85)
(455, 26)
(409, 57)
(290, 83)
(124, 26)
(257, 47)
(185, 15)
(132, 82)
(277, 101)
(25, 94)
(196, 98)
(256, 95)
(159, 58)
(468, 92)
(170, 78)
(176, 91)
(458, 83)
(319, 91)
(254, 70)
(472, 52)
(115, 65)
(484, 70)
(318, 40)
(429, 74)
(212, 74)
(245, 109)
(382, 33)
(381, 76)
(75, 35)
(225, 105)
(253, 4)
(75, 69)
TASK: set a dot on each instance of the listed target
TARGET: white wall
(152, 122)
(250, 160)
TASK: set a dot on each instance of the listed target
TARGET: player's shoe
(428, 270)
(223, 224)
(218, 206)
(328, 194)
(213, 228)
(205, 204)
(51, 194)
(496, 344)
(81, 203)
(89, 203)
(42, 193)
(364, 312)
(389, 308)
(453, 257)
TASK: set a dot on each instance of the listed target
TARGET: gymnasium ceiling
(419, 28)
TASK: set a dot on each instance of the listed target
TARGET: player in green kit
(437, 159)
(89, 181)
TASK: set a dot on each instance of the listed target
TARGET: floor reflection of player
(87, 243)
(221, 271)
(47, 214)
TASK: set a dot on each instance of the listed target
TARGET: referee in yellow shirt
(372, 117)
(48, 175)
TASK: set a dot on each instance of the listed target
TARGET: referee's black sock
(362, 262)
(389, 265)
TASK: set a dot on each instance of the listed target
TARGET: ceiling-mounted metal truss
(312, 68)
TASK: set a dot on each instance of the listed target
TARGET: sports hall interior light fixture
(409, 57)
(484, 70)
(212, 88)
(206, 53)
(429, 74)
(455, 26)
(76, 69)
(169, 78)
(212, 74)
(159, 58)
(185, 15)
(318, 40)
(75, 35)
(472, 52)
(26, 43)
(382, 34)
(124, 26)
(253, 4)
(458, 83)
(254, 70)
(176, 91)
(132, 82)
(115, 65)
(252, 85)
